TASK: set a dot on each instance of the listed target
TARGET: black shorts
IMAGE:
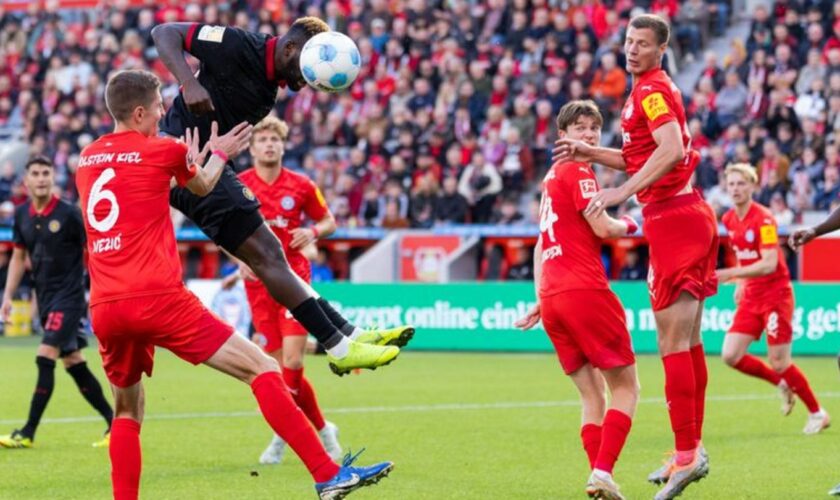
(63, 330)
(229, 215)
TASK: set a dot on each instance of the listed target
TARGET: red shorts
(587, 326)
(129, 329)
(683, 239)
(271, 321)
(775, 316)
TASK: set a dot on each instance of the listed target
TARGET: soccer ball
(330, 61)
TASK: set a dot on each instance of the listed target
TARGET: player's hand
(571, 150)
(725, 275)
(801, 237)
(195, 155)
(197, 98)
(246, 273)
(232, 143)
(6, 309)
(530, 319)
(301, 237)
(603, 199)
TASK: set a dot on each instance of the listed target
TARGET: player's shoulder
(656, 81)
(22, 210)
(762, 214)
(297, 178)
(572, 170)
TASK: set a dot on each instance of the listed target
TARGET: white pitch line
(412, 408)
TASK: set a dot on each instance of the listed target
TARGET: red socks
(701, 380)
(590, 434)
(751, 365)
(126, 459)
(680, 389)
(613, 435)
(799, 385)
(304, 395)
(289, 422)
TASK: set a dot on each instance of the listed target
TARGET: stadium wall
(480, 316)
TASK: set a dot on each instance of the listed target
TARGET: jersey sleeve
(78, 224)
(315, 206)
(17, 235)
(658, 104)
(175, 159)
(216, 46)
(581, 184)
(768, 234)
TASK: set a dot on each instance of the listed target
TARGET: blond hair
(271, 124)
(745, 169)
(307, 27)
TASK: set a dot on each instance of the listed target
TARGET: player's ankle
(341, 349)
(685, 457)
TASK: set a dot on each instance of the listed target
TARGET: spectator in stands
(813, 70)
(731, 100)
(709, 170)
(522, 268)
(321, 271)
(712, 70)
(508, 213)
(609, 83)
(811, 105)
(480, 184)
(8, 178)
(809, 163)
(423, 199)
(393, 219)
(801, 194)
(781, 212)
(828, 189)
(633, 268)
(772, 160)
(451, 207)
(517, 163)
(7, 213)
(692, 26)
(774, 185)
(370, 211)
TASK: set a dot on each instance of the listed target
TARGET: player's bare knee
(293, 361)
(72, 359)
(265, 364)
(779, 363)
(731, 358)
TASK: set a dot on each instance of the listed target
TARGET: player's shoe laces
(788, 398)
(835, 491)
(602, 487)
(362, 356)
(661, 475)
(15, 440)
(329, 437)
(273, 454)
(681, 476)
(817, 422)
(399, 336)
(351, 478)
(105, 442)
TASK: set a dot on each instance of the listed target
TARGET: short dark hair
(307, 27)
(573, 110)
(39, 160)
(654, 23)
(128, 89)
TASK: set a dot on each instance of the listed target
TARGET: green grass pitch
(489, 426)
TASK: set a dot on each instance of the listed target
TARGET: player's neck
(741, 210)
(39, 203)
(268, 174)
(122, 127)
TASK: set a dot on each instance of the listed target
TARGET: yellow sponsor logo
(320, 197)
(655, 106)
(769, 235)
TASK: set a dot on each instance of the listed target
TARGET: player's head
(580, 120)
(40, 177)
(290, 46)
(741, 181)
(133, 99)
(267, 142)
(645, 43)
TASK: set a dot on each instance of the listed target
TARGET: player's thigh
(294, 348)
(61, 330)
(47, 351)
(590, 383)
(241, 359)
(696, 329)
(675, 322)
(735, 346)
(72, 359)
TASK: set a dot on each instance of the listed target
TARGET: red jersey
(654, 101)
(747, 237)
(123, 182)
(284, 204)
(571, 253)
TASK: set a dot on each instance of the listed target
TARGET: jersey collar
(270, 49)
(47, 209)
(650, 74)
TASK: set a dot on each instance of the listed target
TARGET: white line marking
(413, 408)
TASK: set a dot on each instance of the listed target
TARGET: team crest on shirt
(749, 235)
(588, 188)
(246, 192)
(54, 226)
(287, 203)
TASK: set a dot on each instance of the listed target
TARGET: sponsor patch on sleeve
(768, 235)
(211, 34)
(588, 188)
(320, 197)
(655, 106)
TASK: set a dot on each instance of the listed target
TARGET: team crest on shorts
(749, 235)
(54, 226)
(259, 339)
(287, 203)
(246, 192)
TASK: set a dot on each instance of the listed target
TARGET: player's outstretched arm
(170, 40)
(574, 150)
(224, 147)
(768, 263)
(605, 226)
(17, 266)
(804, 235)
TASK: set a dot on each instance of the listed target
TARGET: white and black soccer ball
(330, 61)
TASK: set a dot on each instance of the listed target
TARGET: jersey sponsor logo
(212, 34)
(745, 254)
(287, 203)
(278, 221)
(54, 226)
(552, 252)
(247, 193)
(320, 197)
(749, 236)
(588, 188)
(654, 106)
(628, 111)
(768, 234)
(646, 88)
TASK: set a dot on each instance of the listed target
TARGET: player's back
(571, 252)
(654, 101)
(123, 182)
(748, 236)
